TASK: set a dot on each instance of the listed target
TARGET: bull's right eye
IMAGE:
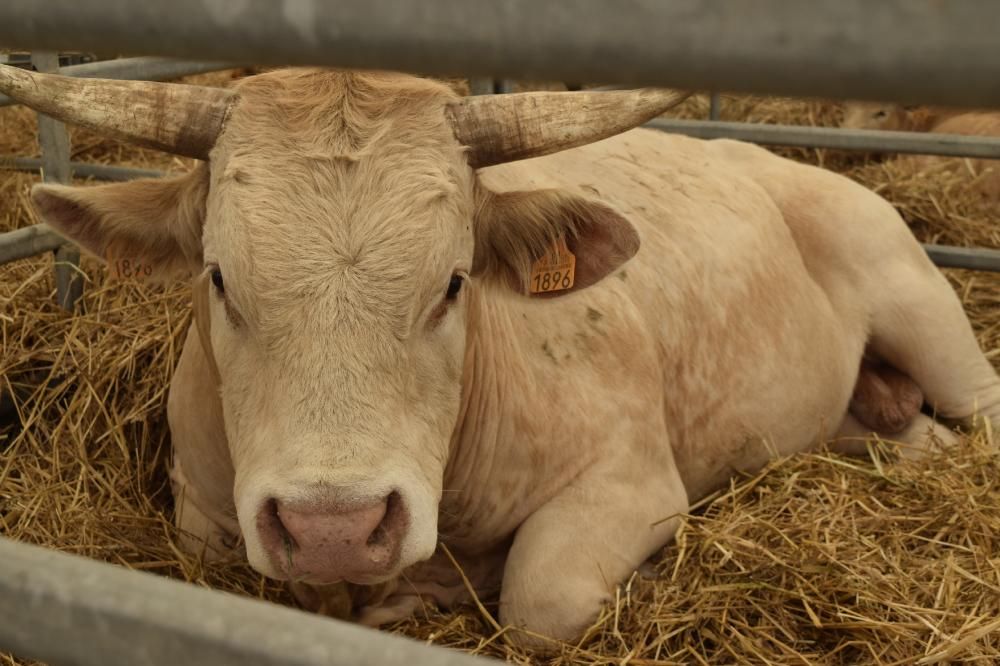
(454, 286)
(217, 281)
(879, 115)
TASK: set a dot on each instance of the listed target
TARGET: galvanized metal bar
(82, 170)
(54, 142)
(976, 259)
(64, 609)
(138, 69)
(714, 106)
(912, 51)
(481, 86)
(69, 281)
(53, 138)
(144, 68)
(841, 139)
(28, 242)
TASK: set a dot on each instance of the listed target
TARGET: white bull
(371, 373)
(867, 115)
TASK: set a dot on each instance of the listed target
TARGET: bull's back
(970, 124)
(967, 124)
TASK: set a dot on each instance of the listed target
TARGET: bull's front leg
(568, 557)
(198, 533)
(202, 473)
(446, 579)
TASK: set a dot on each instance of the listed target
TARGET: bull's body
(368, 374)
(735, 334)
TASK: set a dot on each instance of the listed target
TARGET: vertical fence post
(714, 106)
(481, 86)
(490, 86)
(54, 141)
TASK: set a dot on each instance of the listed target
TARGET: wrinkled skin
(548, 442)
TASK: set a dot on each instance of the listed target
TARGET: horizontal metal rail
(65, 609)
(840, 139)
(138, 69)
(28, 242)
(976, 259)
(911, 51)
(82, 170)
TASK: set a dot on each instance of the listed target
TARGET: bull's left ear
(522, 239)
(154, 223)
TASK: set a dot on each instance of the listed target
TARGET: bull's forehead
(343, 191)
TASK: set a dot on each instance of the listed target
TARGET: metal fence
(69, 610)
(912, 51)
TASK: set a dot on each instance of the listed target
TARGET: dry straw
(816, 560)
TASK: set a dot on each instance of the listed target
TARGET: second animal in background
(937, 120)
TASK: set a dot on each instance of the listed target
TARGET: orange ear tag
(555, 271)
(128, 268)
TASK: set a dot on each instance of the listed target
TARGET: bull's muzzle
(330, 540)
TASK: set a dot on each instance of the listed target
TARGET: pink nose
(325, 542)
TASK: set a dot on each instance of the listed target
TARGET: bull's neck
(492, 374)
(509, 452)
(490, 363)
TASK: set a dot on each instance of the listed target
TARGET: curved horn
(179, 119)
(505, 128)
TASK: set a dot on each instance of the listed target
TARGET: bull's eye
(454, 287)
(879, 115)
(217, 281)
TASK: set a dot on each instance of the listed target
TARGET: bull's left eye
(454, 287)
(217, 281)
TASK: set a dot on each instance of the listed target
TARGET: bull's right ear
(153, 222)
(515, 231)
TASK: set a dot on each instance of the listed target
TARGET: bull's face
(337, 258)
(874, 116)
(340, 246)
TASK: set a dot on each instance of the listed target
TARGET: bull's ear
(154, 223)
(531, 240)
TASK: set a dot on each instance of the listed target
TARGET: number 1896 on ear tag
(555, 271)
(123, 268)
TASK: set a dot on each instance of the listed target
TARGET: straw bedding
(816, 560)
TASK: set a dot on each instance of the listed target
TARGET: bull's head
(875, 116)
(340, 242)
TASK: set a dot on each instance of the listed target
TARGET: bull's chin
(371, 579)
(267, 565)
(364, 579)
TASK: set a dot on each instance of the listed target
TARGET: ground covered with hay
(818, 559)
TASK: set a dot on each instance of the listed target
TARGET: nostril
(379, 537)
(270, 517)
(381, 541)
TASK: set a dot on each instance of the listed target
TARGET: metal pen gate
(70, 610)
